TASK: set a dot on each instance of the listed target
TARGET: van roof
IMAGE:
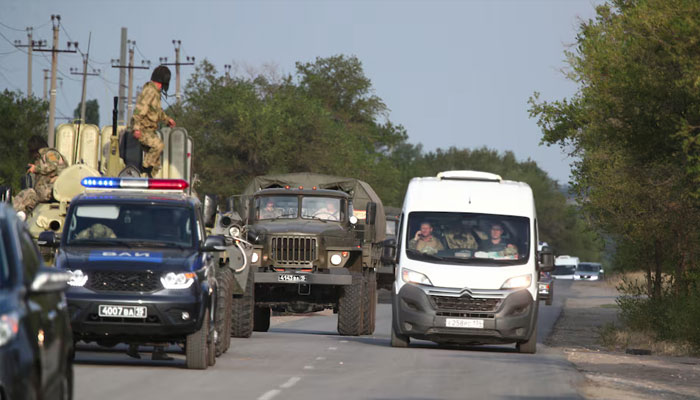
(469, 191)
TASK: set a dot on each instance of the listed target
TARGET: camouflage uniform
(96, 231)
(147, 114)
(46, 169)
(430, 246)
(460, 240)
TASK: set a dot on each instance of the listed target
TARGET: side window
(31, 259)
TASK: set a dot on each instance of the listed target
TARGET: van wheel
(196, 347)
(369, 306)
(67, 383)
(350, 316)
(242, 314)
(262, 319)
(398, 340)
(549, 300)
(529, 346)
(223, 310)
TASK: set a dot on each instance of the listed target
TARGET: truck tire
(211, 348)
(530, 345)
(350, 316)
(242, 310)
(224, 304)
(196, 345)
(262, 319)
(369, 306)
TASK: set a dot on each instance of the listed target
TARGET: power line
(9, 27)
(9, 52)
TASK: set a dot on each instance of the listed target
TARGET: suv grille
(294, 250)
(121, 281)
(465, 303)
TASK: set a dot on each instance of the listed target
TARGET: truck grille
(120, 281)
(294, 250)
(465, 303)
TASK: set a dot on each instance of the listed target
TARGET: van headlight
(9, 326)
(517, 282)
(410, 276)
(182, 280)
(78, 278)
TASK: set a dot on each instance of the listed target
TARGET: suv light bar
(134, 183)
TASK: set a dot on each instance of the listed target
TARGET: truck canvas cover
(360, 192)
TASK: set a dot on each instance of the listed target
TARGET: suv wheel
(350, 316)
(224, 304)
(242, 314)
(196, 347)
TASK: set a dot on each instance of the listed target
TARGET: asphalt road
(306, 359)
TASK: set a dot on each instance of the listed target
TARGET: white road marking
(332, 348)
(308, 367)
(269, 395)
(291, 382)
(320, 358)
(343, 341)
(341, 363)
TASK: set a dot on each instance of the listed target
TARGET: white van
(467, 262)
(565, 267)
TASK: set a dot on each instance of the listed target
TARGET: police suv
(143, 270)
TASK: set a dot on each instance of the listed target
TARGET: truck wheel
(242, 311)
(530, 345)
(262, 319)
(350, 315)
(369, 306)
(398, 340)
(196, 346)
(224, 305)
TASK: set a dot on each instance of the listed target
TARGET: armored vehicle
(316, 245)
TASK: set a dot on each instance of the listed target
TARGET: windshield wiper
(162, 244)
(113, 242)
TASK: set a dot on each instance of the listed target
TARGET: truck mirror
(47, 239)
(209, 210)
(389, 252)
(371, 213)
(214, 243)
(231, 203)
(546, 259)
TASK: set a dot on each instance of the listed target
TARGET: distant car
(588, 271)
(565, 267)
(36, 344)
(545, 287)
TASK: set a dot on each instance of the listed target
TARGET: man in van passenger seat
(497, 243)
(457, 238)
(424, 241)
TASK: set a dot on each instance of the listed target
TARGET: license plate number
(464, 323)
(291, 278)
(122, 311)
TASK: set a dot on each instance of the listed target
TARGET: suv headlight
(9, 326)
(78, 278)
(182, 280)
(410, 276)
(517, 282)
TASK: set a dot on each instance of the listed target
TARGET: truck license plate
(291, 278)
(464, 323)
(122, 311)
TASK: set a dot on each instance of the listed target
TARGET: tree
(92, 112)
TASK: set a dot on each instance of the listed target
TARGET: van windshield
(468, 238)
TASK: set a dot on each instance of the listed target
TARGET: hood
(8, 301)
(124, 259)
(301, 227)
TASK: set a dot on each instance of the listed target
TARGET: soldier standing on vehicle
(46, 164)
(147, 114)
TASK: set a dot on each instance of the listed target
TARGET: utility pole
(46, 80)
(122, 75)
(75, 71)
(145, 64)
(31, 44)
(56, 21)
(227, 68)
(177, 63)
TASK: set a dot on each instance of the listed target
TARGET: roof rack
(468, 175)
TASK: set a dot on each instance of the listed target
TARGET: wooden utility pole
(177, 63)
(75, 71)
(145, 64)
(56, 21)
(31, 44)
(46, 82)
(122, 75)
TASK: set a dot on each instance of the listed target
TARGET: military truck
(385, 273)
(317, 243)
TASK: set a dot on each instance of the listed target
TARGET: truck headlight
(254, 257)
(78, 278)
(410, 276)
(516, 282)
(234, 231)
(9, 326)
(336, 259)
(182, 280)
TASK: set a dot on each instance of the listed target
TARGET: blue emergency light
(134, 183)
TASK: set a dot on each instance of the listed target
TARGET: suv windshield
(4, 264)
(588, 267)
(130, 225)
(468, 238)
(564, 270)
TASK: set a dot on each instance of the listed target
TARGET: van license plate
(291, 278)
(122, 311)
(464, 323)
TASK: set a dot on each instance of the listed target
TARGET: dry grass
(616, 338)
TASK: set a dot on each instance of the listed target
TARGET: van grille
(120, 281)
(294, 250)
(465, 303)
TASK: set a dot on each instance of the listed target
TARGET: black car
(142, 272)
(36, 344)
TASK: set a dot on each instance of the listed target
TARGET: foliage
(92, 112)
(21, 118)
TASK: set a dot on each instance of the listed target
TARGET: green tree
(21, 118)
(92, 112)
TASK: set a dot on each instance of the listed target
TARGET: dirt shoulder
(589, 307)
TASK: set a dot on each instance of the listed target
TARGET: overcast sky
(454, 73)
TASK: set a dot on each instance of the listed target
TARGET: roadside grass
(618, 338)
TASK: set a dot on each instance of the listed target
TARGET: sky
(453, 73)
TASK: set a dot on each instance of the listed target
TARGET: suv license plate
(122, 311)
(464, 323)
(291, 278)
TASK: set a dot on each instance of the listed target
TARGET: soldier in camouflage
(96, 231)
(47, 164)
(147, 114)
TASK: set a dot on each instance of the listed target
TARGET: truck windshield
(131, 225)
(325, 208)
(468, 238)
(274, 207)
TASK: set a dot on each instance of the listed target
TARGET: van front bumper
(423, 312)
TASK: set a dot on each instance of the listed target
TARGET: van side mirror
(209, 210)
(48, 239)
(371, 216)
(546, 259)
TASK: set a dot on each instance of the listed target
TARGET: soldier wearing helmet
(46, 164)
